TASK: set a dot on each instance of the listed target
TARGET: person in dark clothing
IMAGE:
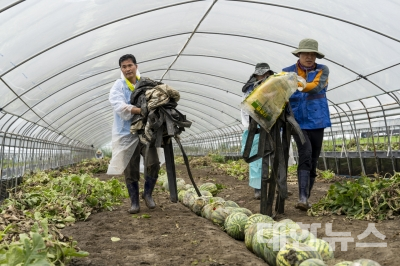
(311, 111)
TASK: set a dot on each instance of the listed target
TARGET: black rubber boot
(257, 193)
(303, 178)
(313, 174)
(133, 190)
(148, 191)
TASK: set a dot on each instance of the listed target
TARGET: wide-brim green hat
(308, 46)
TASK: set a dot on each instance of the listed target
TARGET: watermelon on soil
(364, 262)
(313, 262)
(258, 218)
(267, 242)
(161, 179)
(211, 187)
(165, 185)
(344, 263)
(191, 190)
(187, 186)
(322, 247)
(248, 235)
(181, 194)
(189, 198)
(236, 209)
(295, 253)
(286, 225)
(245, 211)
(300, 235)
(230, 203)
(199, 204)
(180, 180)
(263, 245)
(217, 199)
(219, 215)
(202, 192)
(260, 238)
(206, 193)
(210, 208)
(234, 225)
(180, 186)
(285, 221)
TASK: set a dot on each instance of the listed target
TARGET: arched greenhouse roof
(59, 59)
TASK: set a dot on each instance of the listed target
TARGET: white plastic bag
(122, 151)
(266, 102)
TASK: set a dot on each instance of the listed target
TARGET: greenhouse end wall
(368, 151)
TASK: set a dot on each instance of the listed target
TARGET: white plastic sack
(122, 151)
(266, 102)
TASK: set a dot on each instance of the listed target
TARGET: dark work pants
(310, 150)
(132, 171)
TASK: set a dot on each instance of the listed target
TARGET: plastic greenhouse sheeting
(59, 59)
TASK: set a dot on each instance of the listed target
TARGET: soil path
(173, 235)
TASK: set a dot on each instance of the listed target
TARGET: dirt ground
(173, 235)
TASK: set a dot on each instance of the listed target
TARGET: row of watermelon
(281, 243)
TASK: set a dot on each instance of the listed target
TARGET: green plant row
(363, 198)
(238, 169)
(44, 203)
(380, 143)
(39, 247)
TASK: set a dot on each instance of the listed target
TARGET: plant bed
(174, 235)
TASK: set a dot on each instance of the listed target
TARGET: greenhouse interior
(60, 59)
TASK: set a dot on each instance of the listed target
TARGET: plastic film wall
(59, 59)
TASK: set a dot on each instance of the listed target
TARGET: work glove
(301, 83)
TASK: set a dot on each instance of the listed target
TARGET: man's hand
(135, 110)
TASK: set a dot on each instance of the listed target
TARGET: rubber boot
(303, 178)
(148, 191)
(133, 190)
(257, 193)
(313, 175)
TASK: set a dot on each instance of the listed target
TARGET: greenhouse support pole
(26, 143)
(2, 157)
(390, 150)
(334, 150)
(344, 139)
(15, 162)
(373, 141)
(323, 157)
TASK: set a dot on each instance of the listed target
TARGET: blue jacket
(310, 107)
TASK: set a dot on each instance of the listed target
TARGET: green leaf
(71, 252)
(37, 216)
(15, 255)
(45, 227)
(69, 219)
(146, 215)
(37, 252)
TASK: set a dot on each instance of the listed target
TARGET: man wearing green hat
(311, 111)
